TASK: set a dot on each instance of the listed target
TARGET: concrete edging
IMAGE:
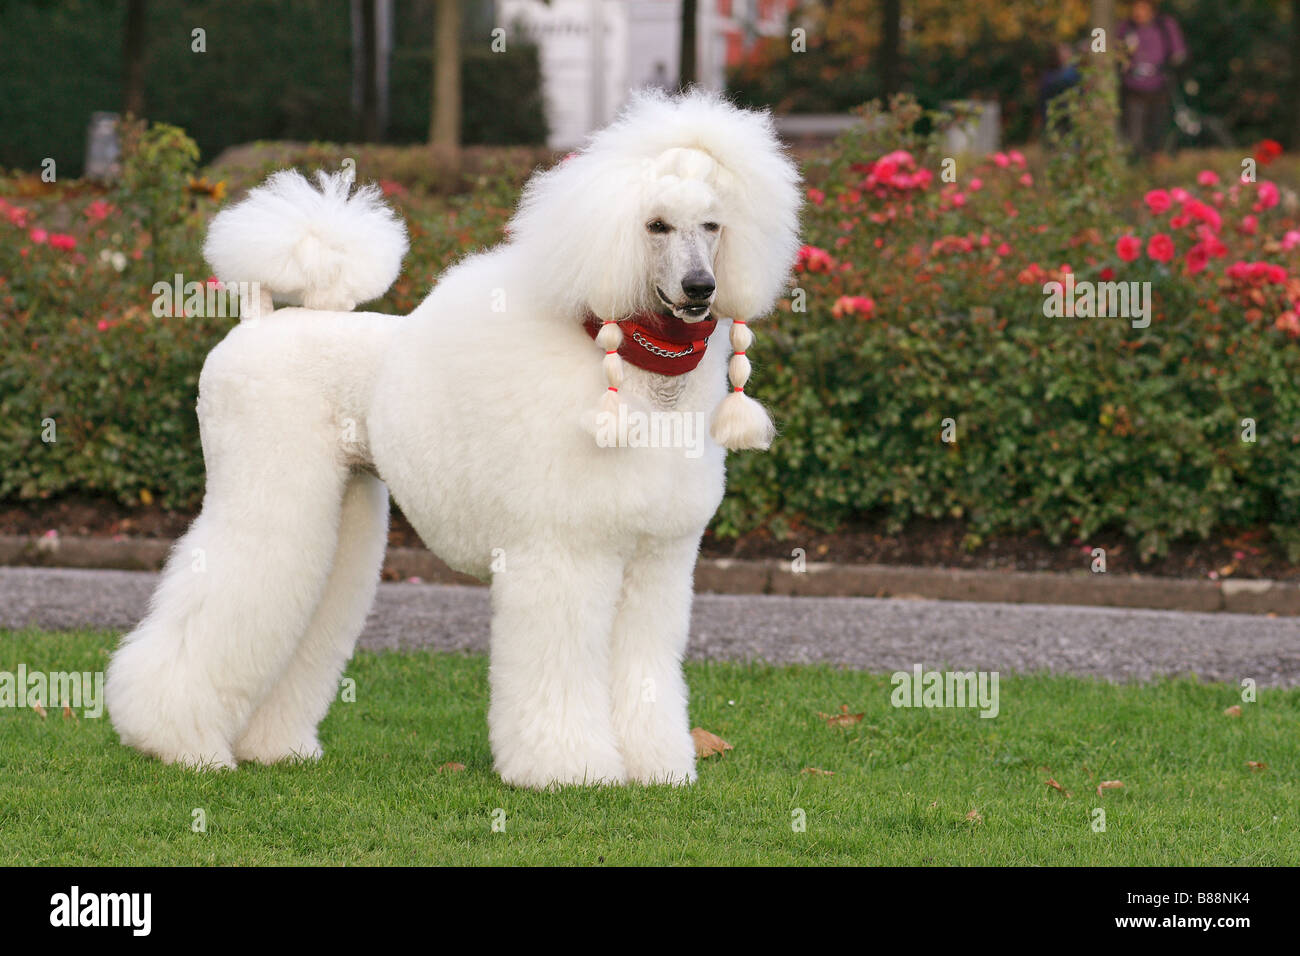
(819, 579)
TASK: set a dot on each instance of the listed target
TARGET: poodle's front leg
(549, 718)
(649, 691)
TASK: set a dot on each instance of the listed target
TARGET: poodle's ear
(759, 188)
(579, 224)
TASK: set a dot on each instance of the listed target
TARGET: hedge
(912, 370)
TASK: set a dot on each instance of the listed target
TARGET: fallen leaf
(1233, 711)
(974, 817)
(451, 767)
(1057, 787)
(1108, 785)
(843, 718)
(819, 771)
(40, 711)
(707, 744)
(1256, 764)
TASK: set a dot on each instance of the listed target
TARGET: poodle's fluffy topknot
(321, 248)
(594, 202)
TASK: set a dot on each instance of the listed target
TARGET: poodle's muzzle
(698, 287)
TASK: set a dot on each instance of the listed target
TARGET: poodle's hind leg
(238, 592)
(284, 726)
(549, 718)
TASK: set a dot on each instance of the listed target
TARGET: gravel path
(866, 633)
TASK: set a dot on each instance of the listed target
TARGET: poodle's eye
(658, 226)
(711, 227)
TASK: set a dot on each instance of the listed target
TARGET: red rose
(1128, 248)
(1160, 247)
(1267, 151)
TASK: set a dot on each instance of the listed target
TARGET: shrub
(83, 348)
(1068, 426)
(917, 301)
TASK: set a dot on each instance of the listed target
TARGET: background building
(595, 52)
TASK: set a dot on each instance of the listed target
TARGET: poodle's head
(685, 205)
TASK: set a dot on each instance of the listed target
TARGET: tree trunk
(133, 53)
(367, 44)
(891, 33)
(444, 130)
(686, 71)
(1103, 17)
(1293, 141)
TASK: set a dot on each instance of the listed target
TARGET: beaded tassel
(740, 422)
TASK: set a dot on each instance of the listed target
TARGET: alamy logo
(75, 689)
(922, 688)
(1104, 300)
(133, 910)
(214, 299)
(633, 428)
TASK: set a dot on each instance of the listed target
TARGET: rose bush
(1068, 426)
(916, 314)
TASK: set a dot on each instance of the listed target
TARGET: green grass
(904, 780)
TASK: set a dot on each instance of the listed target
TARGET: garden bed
(929, 544)
(930, 412)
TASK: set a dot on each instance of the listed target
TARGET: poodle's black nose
(698, 285)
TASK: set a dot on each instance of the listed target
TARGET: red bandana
(662, 344)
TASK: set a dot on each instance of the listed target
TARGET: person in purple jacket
(1155, 45)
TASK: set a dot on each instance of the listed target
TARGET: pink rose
(1158, 201)
(1267, 194)
(853, 305)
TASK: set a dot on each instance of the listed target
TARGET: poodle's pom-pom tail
(324, 247)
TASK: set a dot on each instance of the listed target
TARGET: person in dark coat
(1155, 47)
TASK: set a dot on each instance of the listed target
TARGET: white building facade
(594, 53)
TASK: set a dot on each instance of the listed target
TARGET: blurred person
(1062, 74)
(1155, 46)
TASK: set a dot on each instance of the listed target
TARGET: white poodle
(537, 419)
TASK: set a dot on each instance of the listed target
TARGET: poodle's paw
(268, 748)
(680, 775)
(159, 738)
(198, 759)
(539, 771)
(667, 759)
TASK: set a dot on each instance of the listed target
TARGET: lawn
(909, 786)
